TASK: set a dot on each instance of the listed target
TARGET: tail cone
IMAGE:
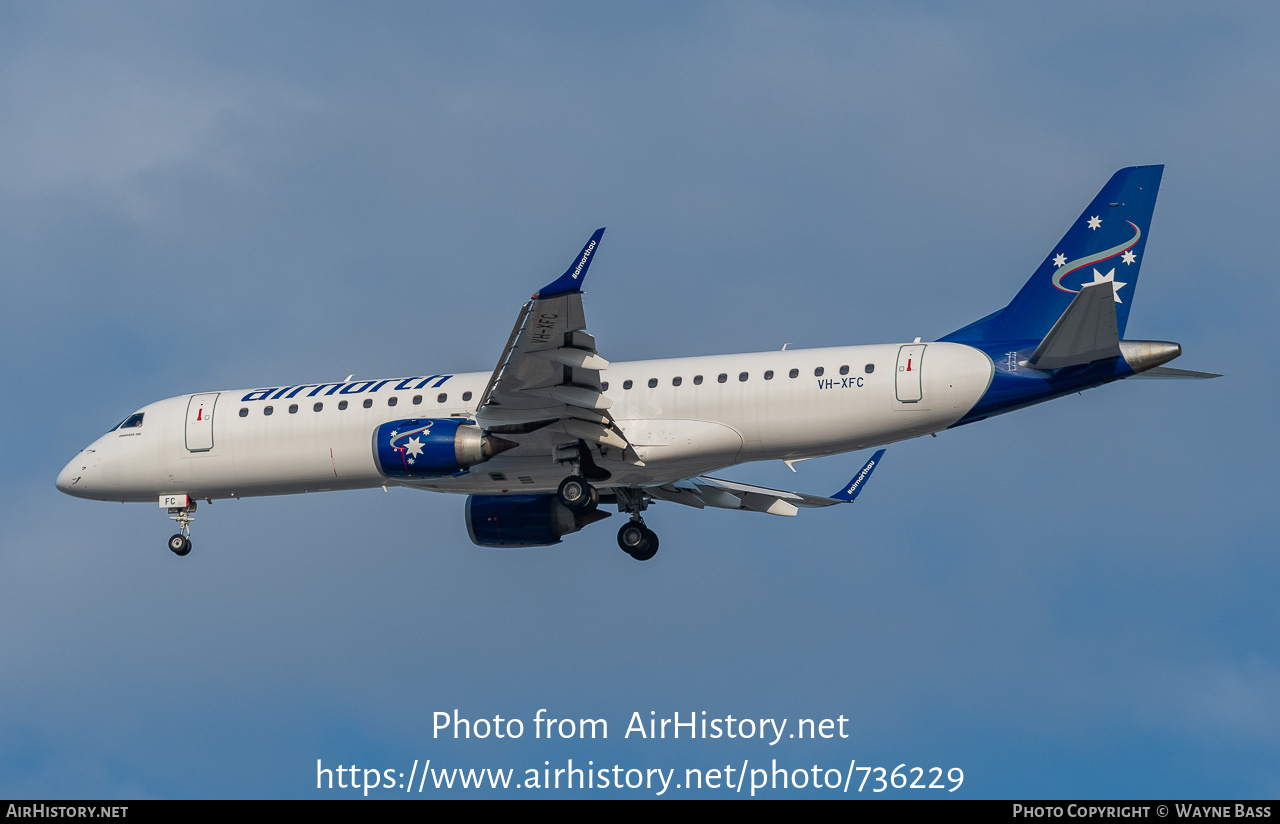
(1142, 355)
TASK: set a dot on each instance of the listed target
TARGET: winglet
(571, 280)
(850, 490)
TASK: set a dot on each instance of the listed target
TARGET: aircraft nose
(72, 478)
(65, 482)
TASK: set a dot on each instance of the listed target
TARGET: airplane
(555, 431)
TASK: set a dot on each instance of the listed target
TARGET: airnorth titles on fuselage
(275, 393)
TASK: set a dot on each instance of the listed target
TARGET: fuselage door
(908, 384)
(200, 422)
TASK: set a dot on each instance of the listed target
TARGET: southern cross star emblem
(1095, 222)
(1109, 277)
(1059, 260)
(1128, 257)
(414, 446)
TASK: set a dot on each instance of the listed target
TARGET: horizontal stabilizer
(1169, 373)
(1086, 332)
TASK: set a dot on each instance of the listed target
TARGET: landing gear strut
(180, 542)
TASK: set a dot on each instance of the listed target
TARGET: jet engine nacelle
(432, 447)
(523, 520)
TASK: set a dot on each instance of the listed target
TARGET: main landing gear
(180, 542)
(638, 540)
(635, 539)
(576, 492)
(577, 495)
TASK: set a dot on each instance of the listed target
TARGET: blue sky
(1076, 600)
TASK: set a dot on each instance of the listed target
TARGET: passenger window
(392, 401)
(417, 399)
(676, 381)
(244, 412)
(604, 386)
(794, 373)
(466, 396)
(342, 404)
(844, 370)
(293, 409)
(697, 380)
(742, 376)
(268, 410)
(768, 375)
(368, 403)
(626, 384)
(317, 407)
(721, 378)
(442, 397)
(871, 367)
(653, 382)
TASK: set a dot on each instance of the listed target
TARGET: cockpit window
(131, 422)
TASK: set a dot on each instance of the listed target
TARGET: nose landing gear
(180, 542)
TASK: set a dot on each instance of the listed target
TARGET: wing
(715, 492)
(548, 378)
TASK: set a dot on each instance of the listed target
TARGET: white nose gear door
(200, 422)
(908, 384)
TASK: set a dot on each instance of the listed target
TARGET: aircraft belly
(506, 475)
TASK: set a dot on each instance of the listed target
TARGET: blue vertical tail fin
(1106, 243)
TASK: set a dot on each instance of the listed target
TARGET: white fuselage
(226, 444)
